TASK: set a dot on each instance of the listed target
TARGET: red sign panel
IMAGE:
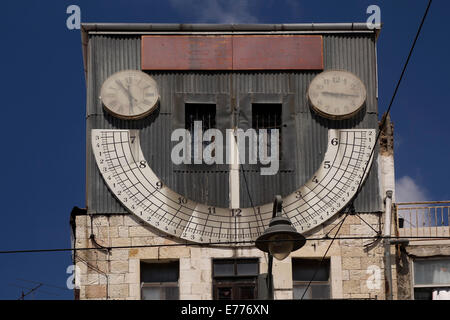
(246, 52)
(277, 52)
(186, 53)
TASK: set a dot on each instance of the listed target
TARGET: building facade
(160, 228)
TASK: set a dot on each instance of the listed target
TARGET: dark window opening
(204, 112)
(432, 279)
(268, 116)
(159, 280)
(235, 279)
(303, 271)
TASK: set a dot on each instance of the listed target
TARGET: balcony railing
(423, 219)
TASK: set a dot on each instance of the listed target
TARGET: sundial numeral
(334, 141)
(182, 200)
(236, 212)
(142, 164)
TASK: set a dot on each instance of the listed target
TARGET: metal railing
(428, 219)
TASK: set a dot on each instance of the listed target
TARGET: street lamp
(279, 240)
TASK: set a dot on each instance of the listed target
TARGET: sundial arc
(130, 178)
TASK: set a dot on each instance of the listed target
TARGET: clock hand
(128, 93)
(338, 94)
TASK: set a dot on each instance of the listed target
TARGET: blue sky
(43, 99)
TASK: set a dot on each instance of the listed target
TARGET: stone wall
(116, 275)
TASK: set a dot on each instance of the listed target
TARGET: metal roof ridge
(352, 26)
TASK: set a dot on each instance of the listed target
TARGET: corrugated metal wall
(109, 54)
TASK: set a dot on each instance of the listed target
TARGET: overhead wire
(383, 122)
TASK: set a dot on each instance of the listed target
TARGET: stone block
(116, 278)
(123, 231)
(134, 265)
(130, 221)
(282, 275)
(348, 251)
(202, 264)
(120, 242)
(174, 252)
(134, 291)
(362, 230)
(201, 288)
(185, 288)
(132, 278)
(185, 264)
(345, 275)
(360, 296)
(116, 220)
(119, 254)
(95, 291)
(139, 231)
(349, 263)
(118, 291)
(356, 275)
(144, 253)
(206, 275)
(81, 221)
(352, 219)
(100, 221)
(119, 266)
(351, 286)
(190, 297)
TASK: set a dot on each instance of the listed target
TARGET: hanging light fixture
(281, 238)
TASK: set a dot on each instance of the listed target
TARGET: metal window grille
(204, 112)
(268, 116)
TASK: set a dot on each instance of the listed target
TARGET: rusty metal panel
(270, 52)
(186, 53)
(223, 52)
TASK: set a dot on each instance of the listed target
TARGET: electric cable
(383, 122)
(218, 244)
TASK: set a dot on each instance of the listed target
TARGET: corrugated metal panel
(355, 53)
(109, 54)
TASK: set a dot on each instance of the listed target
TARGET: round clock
(336, 94)
(129, 94)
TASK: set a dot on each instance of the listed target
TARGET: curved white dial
(128, 175)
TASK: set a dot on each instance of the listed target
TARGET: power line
(393, 96)
(323, 257)
(351, 206)
(325, 238)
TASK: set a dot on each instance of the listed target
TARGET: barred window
(268, 116)
(159, 280)
(303, 271)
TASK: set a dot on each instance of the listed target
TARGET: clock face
(336, 94)
(129, 94)
(130, 178)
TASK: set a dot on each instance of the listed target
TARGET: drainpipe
(387, 246)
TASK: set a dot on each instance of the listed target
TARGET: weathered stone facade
(356, 264)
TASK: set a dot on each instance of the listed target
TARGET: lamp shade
(280, 239)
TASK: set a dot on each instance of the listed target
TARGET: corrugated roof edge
(138, 28)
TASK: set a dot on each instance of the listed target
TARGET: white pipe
(387, 246)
